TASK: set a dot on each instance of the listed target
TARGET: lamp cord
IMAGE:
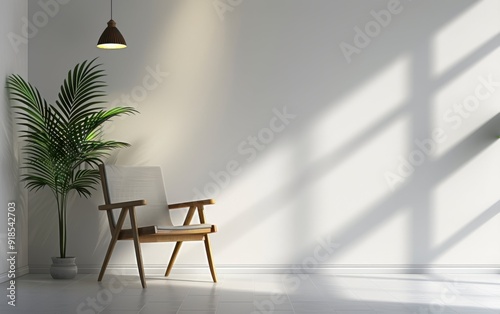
(111, 9)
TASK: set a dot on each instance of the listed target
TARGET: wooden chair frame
(151, 233)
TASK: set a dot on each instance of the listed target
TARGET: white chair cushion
(189, 227)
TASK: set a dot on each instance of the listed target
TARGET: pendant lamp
(111, 38)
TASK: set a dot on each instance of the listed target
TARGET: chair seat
(189, 227)
(127, 234)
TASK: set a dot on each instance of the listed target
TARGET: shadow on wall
(416, 193)
(291, 57)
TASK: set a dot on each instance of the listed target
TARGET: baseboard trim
(19, 272)
(156, 270)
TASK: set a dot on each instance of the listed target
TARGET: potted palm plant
(64, 143)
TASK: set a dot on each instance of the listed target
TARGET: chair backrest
(121, 184)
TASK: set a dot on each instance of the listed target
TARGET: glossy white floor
(252, 294)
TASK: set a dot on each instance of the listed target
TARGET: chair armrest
(192, 203)
(123, 205)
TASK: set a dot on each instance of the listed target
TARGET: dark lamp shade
(111, 38)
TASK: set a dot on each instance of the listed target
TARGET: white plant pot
(63, 268)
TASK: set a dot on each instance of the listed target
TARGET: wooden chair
(128, 188)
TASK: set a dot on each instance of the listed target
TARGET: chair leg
(112, 243)
(137, 246)
(111, 247)
(174, 256)
(209, 257)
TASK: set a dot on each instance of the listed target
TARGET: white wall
(323, 176)
(14, 59)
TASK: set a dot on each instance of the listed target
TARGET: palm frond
(65, 139)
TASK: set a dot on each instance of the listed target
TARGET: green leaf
(63, 141)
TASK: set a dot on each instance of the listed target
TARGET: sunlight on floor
(264, 293)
